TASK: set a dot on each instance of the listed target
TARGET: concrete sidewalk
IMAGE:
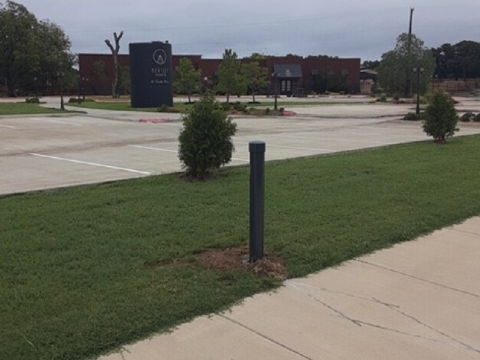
(417, 300)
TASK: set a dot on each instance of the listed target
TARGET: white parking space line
(91, 164)
(7, 126)
(174, 151)
(57, 122)
(153, 148)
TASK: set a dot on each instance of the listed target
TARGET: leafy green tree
(30, 49)
(257, 56)
(395, 72)
(230, 77)
(256, 77)
(186, 78)
(53, 51)
(440, 117)
(370, 65)
(459, 61)
(206, 139)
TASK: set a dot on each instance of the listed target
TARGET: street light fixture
(418, 70)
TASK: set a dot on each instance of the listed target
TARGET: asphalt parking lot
(43, 152)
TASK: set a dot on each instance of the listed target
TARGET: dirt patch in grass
(238, 259)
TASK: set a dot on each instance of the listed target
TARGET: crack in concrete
(296, 285)
(466, 232)
(265, 337)
(418, 278)
(397, 310)
(457, 343)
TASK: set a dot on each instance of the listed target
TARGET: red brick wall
(350, 68)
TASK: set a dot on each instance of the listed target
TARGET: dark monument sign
(151, 74)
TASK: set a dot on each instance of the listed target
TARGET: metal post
(257, 199)
(418, 70)
(79, 88)
(276, 92)
(418, 92)
(62, 103)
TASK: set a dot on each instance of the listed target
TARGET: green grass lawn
(22, 108)
(86, 269)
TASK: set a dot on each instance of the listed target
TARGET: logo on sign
(160, 56)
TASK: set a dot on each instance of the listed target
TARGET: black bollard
(257, 199)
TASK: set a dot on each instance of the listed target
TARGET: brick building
(292, 75)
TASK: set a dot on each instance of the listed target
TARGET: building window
(344, 72)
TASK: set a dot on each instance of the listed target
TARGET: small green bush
(32, 100)
(440, 117)
(226, 106)
(238, 106)
(74, 101)
(206, 139)
(163, 108)
(413, 117)
(477, 118)
(467, 117)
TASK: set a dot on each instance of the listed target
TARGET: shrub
(206, 139)
(226, 106)
(413, 117)
(163, 108)
(32, 100)
(74, 101)
(467, 117)
(440, 117)
(238, 106)
(477, 118)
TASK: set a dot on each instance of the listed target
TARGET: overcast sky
(345, 28)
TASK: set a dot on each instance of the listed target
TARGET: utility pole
(409, 55)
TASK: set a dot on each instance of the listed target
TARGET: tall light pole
(409, 53)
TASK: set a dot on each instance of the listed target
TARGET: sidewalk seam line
(265, 337)
(417, 278)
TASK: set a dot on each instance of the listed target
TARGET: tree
(440, 117)
(187, 79)
(396, 67)
(116, 66)
(256, 77)
(257, 56)
(206, 139)
(230, 78)
(459, 61)
(370, 65)
(52, 49)
(30, 49)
